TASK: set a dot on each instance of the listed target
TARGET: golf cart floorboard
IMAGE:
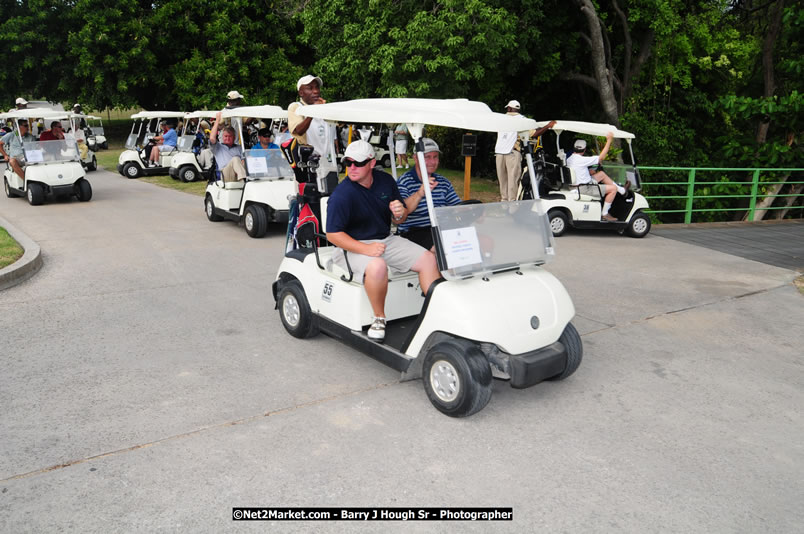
(396, 333)
(600, 225)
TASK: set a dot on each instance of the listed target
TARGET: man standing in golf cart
(20, 103)
(417, 225)
(359, 223)
(228, 154)
(509, 155)
(307, 130)
(15, 153)
(233, 100)
(598, 184)
(166, 141)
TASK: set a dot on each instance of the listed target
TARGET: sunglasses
(350, 162)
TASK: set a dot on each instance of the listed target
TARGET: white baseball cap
(359, 151)
(21, 101)
(580, 145)
(304, 80)
(430, 145)
(513, 104)
(233, 95)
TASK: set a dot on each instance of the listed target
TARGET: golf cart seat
(575, 185)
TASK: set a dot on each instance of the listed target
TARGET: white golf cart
(95, 134)
(51, 167)
(567, 207)
(496, 312)
(78, 133)
(373, 135)
(133, 162)
(264, 196)
(194, 158)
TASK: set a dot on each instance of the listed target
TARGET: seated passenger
(417, 226)
(359, 223)
(589, 185)
(55, 133)
(15, 154)
(166, 142)
(228, 155)
(264, 140)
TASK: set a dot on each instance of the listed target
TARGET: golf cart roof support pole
(416, 131)
(321, 181)
(631, 150)
(391, 148)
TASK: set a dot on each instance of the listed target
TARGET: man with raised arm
(600, 182)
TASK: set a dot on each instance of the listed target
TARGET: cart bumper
(530, 368)
(173, 172)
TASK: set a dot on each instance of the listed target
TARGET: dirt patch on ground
(800, 284)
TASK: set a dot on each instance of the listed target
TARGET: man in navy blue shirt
(359, 216)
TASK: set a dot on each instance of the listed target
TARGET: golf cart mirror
(479, 239)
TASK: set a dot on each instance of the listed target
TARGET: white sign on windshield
(257, 165)
(34, 156)
(461, 247)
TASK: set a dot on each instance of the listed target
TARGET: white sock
(621, 189)
(606, 206)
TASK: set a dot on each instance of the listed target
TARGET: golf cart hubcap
(132, 171)
(640, 225)
(30, 194)
(188, 175)
(444, 381)
(209, 207)
(290, 308)
(556, 224)
(249, 222)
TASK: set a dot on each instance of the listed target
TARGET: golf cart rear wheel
(255, 220)
(294, 311)
(209, 207)
(639, 226)
(36, 194)
(457, 378)
(93, 165)
(131, 170)
(188, 174)
(83, 191)
(558, 222)
(572, 342)
(9, 192)
(386, 161)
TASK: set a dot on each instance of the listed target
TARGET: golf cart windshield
(479, 239)
(267, 164)
(185, 143)
(44, 152)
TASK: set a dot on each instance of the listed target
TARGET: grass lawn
(10, 251)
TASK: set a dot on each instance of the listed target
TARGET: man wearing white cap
(233, 100)
(19, 103)
(306, 130)
(598, 184)
(359, 216)
(509, 157)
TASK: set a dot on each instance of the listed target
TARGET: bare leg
(427, 268)
(611, 192)
(17, 168)
(375, 282)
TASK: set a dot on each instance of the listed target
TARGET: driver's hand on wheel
(375, 249)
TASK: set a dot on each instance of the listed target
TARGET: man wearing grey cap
(509, 157)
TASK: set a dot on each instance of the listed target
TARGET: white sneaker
(407, 166)
(399, 166)
(377, 330)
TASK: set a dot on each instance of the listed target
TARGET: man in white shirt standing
(598, 184)
(509, 157)
(309, 131)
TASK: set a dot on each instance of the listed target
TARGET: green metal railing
(693, 196)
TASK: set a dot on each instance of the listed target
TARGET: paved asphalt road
(147, 385)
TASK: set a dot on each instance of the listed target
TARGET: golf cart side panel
(62, 174)
(506, 323)
(226, 198)
(129, 155)
(273, 193)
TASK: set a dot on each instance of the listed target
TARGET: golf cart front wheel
(36, 194)
(209, 207)
(572, 343)
(255, 220)
(131, 170)
(93, 165)
(83, 191)
(639, 226)
(558, 222)
(294, 311)
(457, 378)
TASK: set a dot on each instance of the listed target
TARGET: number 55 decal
(326, 293)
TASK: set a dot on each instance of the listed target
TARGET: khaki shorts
(593, 190)
(400, 255)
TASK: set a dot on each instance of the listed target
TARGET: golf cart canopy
(200, 114)
(588, 128)
(36, 113)
(452, 113)
(255, 112)
(158, 115)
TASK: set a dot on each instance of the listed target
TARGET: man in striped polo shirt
(417, 226)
